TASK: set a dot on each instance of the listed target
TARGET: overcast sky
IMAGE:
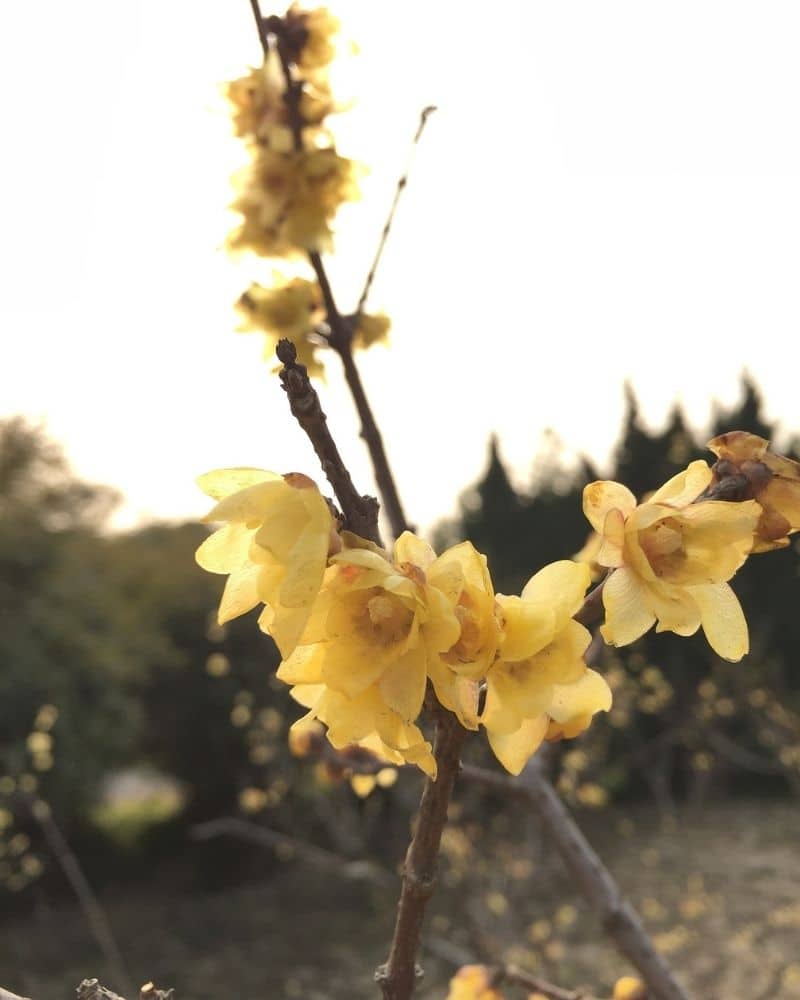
(608, 191)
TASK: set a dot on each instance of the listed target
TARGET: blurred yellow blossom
(274, 547)
(772, 480)
(473, 982)
(288, 200)
(672, 558)
(629, 988)
(289, 308)
(371, 329)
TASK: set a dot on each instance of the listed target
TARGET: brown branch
(341, 328)
(518, 977)
(397, 978)
(260, 26)
(318, 857)
(592, 608)
(619, 919)
(401, 186)
(360, 512)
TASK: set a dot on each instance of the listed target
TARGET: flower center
(387, 619)
(663, 545)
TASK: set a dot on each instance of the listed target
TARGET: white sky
(608, 191)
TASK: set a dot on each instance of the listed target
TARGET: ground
(717, 889)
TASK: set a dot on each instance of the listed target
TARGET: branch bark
(360, 512)
(397, 977)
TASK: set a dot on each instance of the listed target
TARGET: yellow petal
(402, 684)
(222, 482)
(588, 695)
(612, 541)
(674, 607)
(561, 661)
(513, 750)
(723, 620)
(685, 487)
(627, 614)
(303, 666)
(527, 626)
(226, 550)
(410, 549)
(562, 585)
(458, 694)
(249, 505)
(601, 497)
(240, 594)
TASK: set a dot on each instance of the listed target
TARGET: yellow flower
(672, 558)
(274, 547)
(363, 660)
(461, 574)
(473, 982)
(539, 673)
(288, 200)
(309, 34)
(364, 721)
(290, 308)
(629, 988)
(772, 480)
(257, 101)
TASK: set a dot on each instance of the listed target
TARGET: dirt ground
(718, 889)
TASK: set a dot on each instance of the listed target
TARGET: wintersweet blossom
(274, 547)
(363, 659)
(288, 199)
(290, 308)
(672, 558)
(473, 982)
(540, 665)
(772, 480)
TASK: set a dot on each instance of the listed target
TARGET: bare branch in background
(598, 886)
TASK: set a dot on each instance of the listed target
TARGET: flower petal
(685, 487)
(513, 750)
(723, 620)
(627, 614)
(562, 585)
(601, 497)
(222, 482)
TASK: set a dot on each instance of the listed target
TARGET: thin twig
(360, 512)
(397, 978)
(619, 919)
(318, 857)
(515, 976)
(260, 27)
(401, 186)
(94, 913)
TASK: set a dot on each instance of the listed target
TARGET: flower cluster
(291, 190)
(365, 633)
(673, 555)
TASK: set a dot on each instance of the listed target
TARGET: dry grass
(717, 889)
